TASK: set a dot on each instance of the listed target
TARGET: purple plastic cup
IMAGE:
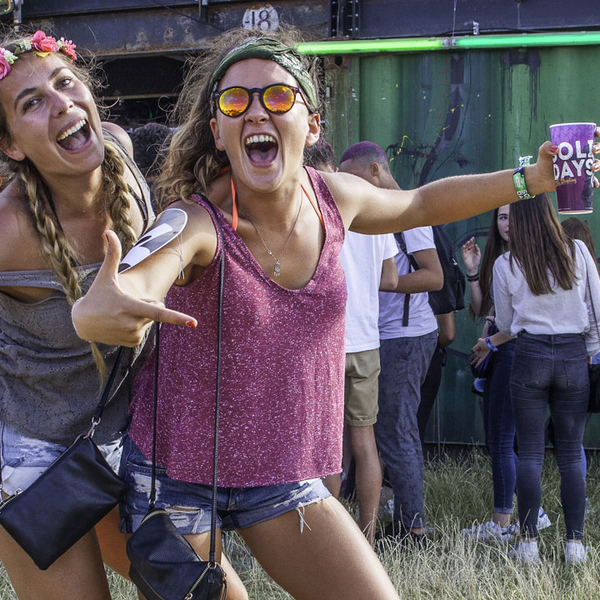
(573, 166)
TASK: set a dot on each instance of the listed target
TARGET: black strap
(213, 518)
(106, 391)
(412, 262)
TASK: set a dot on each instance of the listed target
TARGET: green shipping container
(448, 112)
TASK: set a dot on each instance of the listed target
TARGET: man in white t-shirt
(368, 263)
(406, 350)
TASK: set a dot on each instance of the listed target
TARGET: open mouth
(261, 149)
(75, 137)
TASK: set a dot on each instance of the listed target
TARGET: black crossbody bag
(164, 566)
(68, 499)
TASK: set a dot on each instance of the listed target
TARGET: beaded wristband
(520, 185)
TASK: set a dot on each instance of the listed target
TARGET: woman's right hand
(108, 315)
(471, 256)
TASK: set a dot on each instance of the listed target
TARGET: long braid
(56, 248)
(118, 198)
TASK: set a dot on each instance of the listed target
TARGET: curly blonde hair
(116, 200)
(193, 160)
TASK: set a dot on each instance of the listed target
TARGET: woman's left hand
(478, 352)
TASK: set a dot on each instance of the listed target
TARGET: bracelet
(520, 185)
(490, 320)
(490, 345)
(473, 277)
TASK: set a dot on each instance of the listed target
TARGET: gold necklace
(277, 266)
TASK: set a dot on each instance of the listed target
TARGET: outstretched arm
(367, 209)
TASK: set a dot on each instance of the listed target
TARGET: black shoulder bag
(68, 499)
(164, 566)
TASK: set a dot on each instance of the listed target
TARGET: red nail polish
(553, 148)
(190, 323)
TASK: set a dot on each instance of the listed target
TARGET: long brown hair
(58, 252)
(540, 247)
(193, 160)
(577, 229)
(494, 247)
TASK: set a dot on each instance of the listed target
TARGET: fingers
(109, 269)
(156, 311)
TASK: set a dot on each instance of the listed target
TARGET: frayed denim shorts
(24, 458)
(189, 504)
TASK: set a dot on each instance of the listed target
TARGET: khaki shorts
(361, 388)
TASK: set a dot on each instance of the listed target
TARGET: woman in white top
(543, 291)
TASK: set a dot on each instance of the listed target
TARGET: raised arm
(368, 209)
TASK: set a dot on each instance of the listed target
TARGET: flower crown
(41, 44)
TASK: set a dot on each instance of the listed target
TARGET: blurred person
(549, 311)
(498, 421)
(406, 351)
(150, 143)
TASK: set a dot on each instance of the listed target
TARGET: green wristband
(520, 185)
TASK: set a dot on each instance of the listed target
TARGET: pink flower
(67, 47)
(4, 67)
(43, 43)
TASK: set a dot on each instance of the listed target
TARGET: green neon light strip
(363, 46)
(463, 43)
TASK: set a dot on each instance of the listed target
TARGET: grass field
(457, 493)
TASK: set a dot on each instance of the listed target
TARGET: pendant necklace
(277, 266)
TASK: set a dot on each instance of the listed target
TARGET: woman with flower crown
(249, 108)
(67, 177)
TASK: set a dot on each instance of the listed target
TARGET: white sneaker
(525, 552)
(489, 532)
(542, 523)
(576, 553)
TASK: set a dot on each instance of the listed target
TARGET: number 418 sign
(265, 18)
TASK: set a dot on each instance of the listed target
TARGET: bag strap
(106, 393)
(152, 501)
(412, 262)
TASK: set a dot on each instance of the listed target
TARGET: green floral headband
(268, 49)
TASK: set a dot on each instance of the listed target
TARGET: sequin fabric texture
(282, 386)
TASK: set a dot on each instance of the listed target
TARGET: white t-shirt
(564, 311)
(362, 257)
(421, 319)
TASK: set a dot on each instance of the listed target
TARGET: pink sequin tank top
(282, 382)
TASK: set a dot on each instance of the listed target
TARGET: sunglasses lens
(234, 101)
(279, 98)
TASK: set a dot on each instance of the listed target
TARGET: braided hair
(115, 198)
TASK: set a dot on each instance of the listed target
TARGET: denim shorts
(25, 458)
(189, 504)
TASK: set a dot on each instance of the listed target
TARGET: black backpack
(452, 295)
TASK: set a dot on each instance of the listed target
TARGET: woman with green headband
(249, 108)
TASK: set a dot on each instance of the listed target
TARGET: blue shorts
(189, 504)
(24, 458)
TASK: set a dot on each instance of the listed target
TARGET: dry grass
(458, 492)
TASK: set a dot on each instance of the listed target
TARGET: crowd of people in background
(327, 362)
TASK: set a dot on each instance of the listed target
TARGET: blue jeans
(500, 428)
(190, 504)
(404, 364)
(550, 370)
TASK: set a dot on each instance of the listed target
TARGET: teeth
(71, 131)
(259, 139)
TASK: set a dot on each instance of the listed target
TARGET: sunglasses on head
(277, 98)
